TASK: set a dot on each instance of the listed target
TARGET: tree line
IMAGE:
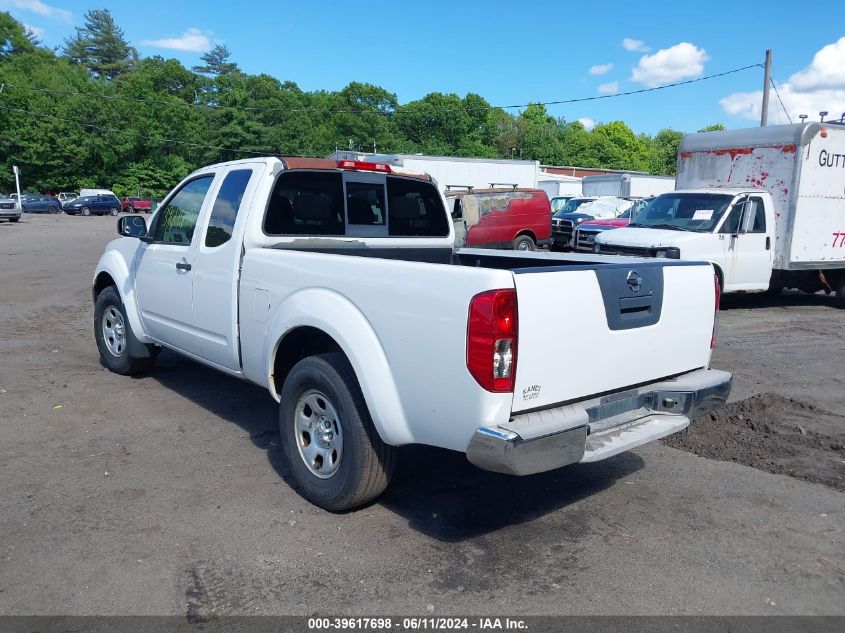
(94, 113)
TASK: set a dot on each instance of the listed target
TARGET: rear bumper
(599, 428)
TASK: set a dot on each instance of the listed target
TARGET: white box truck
(765, 205)
(627, 185)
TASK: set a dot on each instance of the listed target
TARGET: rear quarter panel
(401, 324)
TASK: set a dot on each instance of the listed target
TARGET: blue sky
(510, 53)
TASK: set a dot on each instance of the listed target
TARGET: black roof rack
(504, 184)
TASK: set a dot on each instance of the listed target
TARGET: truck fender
(114, 264)
(338, 317)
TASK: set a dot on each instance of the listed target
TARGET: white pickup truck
(765, 205)
(335, 286)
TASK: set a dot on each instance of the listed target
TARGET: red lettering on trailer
(840, 235)
(788, 149)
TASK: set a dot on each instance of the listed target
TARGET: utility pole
(767, 81)
(18, 184)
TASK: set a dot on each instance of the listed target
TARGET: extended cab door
(217, 266)
(748, 242)
(164, 267)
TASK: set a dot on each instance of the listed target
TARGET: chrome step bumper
(598, 428)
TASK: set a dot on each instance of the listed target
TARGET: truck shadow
(789, 299)
(437, 491)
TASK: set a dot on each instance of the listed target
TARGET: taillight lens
(492, 337)
(716, 311)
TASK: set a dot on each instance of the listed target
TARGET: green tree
(665, 151)
(14, 38)
(100, 46)
(716, 127)
(217, 62)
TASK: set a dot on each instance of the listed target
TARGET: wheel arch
(316, 320)
(113, 270)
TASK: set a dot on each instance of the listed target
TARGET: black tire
(123, 363)
(113, 211)
(839, 287)
(52, 210)
(85, 211)
(366, 463)
(14, 219)
(524, 243)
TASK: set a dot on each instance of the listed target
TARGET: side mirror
(132, 226)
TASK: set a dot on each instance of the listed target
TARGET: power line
(789, 118)
(92, 126)
(358, 111)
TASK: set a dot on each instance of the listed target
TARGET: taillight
(361, 165)
(492, 336)
(716, 310)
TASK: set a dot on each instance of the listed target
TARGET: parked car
(335, 286)
(585, 233)
(763, 205)
(93, 205)
(38, 203)
(583, 209)
(66, 196)
(9, 209)
(512, 218)
(135, 205)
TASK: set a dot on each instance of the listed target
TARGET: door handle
(183, 266)
(768, 242)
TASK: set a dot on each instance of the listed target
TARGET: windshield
(571, 206)
(698, 212)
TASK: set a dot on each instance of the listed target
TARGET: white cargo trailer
(765, 205)
(556, 186)
(627, 185)
(457, 171)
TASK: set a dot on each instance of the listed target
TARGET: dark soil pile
(772, 433)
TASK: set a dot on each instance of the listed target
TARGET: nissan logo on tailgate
(635, 280)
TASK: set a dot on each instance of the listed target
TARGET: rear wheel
(14, 219)
(336, 457)
(523, 243)
(115, 338)
(86, 211)
(839, 287)
(52, 210)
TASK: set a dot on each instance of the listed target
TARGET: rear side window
(414, 209)
(226, 206)
(306, 203)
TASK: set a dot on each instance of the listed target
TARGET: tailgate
(585, 331)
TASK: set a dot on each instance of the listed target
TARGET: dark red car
(136, 205)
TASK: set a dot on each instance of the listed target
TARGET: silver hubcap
(523, 246)
(114, 331)
(318, 434)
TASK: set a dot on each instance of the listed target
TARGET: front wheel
(523, 243)
(336, 457)
(115, 338)
(14, 219)
(86, 211)
(52, 210)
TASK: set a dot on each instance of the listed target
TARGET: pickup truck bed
(369, 343)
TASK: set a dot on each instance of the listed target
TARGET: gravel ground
(166, 493)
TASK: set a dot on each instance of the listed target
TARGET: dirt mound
(772, 433)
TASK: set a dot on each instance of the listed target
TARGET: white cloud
(609, 89)
(600, 69)
(36, 6)
(587, 122)
(669, 65)
(638, 46)
(747, 105)
(192, 40)
(826, 71)
(37, 31)
(818, 87)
